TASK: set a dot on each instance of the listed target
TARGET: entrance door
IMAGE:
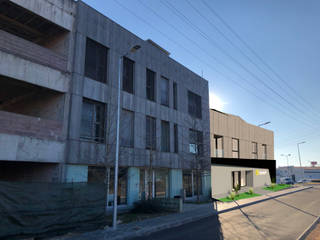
(236, 178)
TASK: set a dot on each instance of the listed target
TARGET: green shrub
(273, 185)
(146, 206)
(237, 189)
(232, 195)
(251, 191)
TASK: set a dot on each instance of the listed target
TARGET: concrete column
(133, 185)
(76, 173)
(175, 182)
(206, 184)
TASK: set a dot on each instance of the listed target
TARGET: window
(128, 72)
(164, 91)
(235, 148)
(126, 128)
(264, 151)
(150, 133)
(150, 85)
(236, 178)
(122, 185)
(218, 146)
(187, 183)
(254, 150)
(96, 61)
(175, 96)
(161, 183)
(175, 133)
(195, 142)
(243, 179)
(93, 121)
(165, 136)
(194, 105)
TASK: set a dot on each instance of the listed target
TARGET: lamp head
(135, 48)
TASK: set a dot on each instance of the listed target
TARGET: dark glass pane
(128, 71)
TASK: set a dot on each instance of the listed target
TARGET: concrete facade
(48, 131)
(232, 137)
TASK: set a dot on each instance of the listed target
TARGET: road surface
(281, 218)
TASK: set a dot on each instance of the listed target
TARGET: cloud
(216, 102)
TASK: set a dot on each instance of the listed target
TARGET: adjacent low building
(298, 173)
(242, 154)
(59, 68)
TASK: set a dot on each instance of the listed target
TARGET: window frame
(194, 105)
(151, 88)
(254, 152)
(165, 147)
(95, 111)
(125, 78)
(238, 148)
(167, 102)
(99, 50)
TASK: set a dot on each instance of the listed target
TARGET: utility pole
(300, 157)
(116, 164)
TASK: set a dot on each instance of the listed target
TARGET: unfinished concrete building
(59, 62)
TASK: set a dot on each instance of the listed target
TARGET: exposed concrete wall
(45, 104)
(60, 12)
(17, 124)
(94, 25)
(34, 73)
(133, 185)
(22, 148)
(175, 182)
(221, 178)
(231, 126)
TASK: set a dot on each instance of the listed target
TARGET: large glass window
(218, 146)
(254, 150)
(264, 151)
(235, 148)
(96, 61)
(194, 105)
(243, 179)
(187, 183)
(236, 178)
(127, 128)
(164, 91)
(150, 133)
(161, 183)
(128, 75)
(150, 85)
(195, 142)
(122, 185)
(93, 121)
(165, 136)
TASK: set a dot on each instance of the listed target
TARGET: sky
(261, 58)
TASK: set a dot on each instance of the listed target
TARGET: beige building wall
(230, 126)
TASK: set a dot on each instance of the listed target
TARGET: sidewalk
(192, 212)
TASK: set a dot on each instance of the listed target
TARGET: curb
(305, 234)
(262, 200)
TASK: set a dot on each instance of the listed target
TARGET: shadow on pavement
(206, 228)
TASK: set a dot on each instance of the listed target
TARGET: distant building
(59, 67)
(241, 153)
(298, 173)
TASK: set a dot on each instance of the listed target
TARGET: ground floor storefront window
(192, 183)
(97, 174)
(154, 183)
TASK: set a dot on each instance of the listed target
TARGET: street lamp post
(300, 157)
(262, 124)
(287, 156)
(116, 164)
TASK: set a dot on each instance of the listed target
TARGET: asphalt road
(281, 218)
